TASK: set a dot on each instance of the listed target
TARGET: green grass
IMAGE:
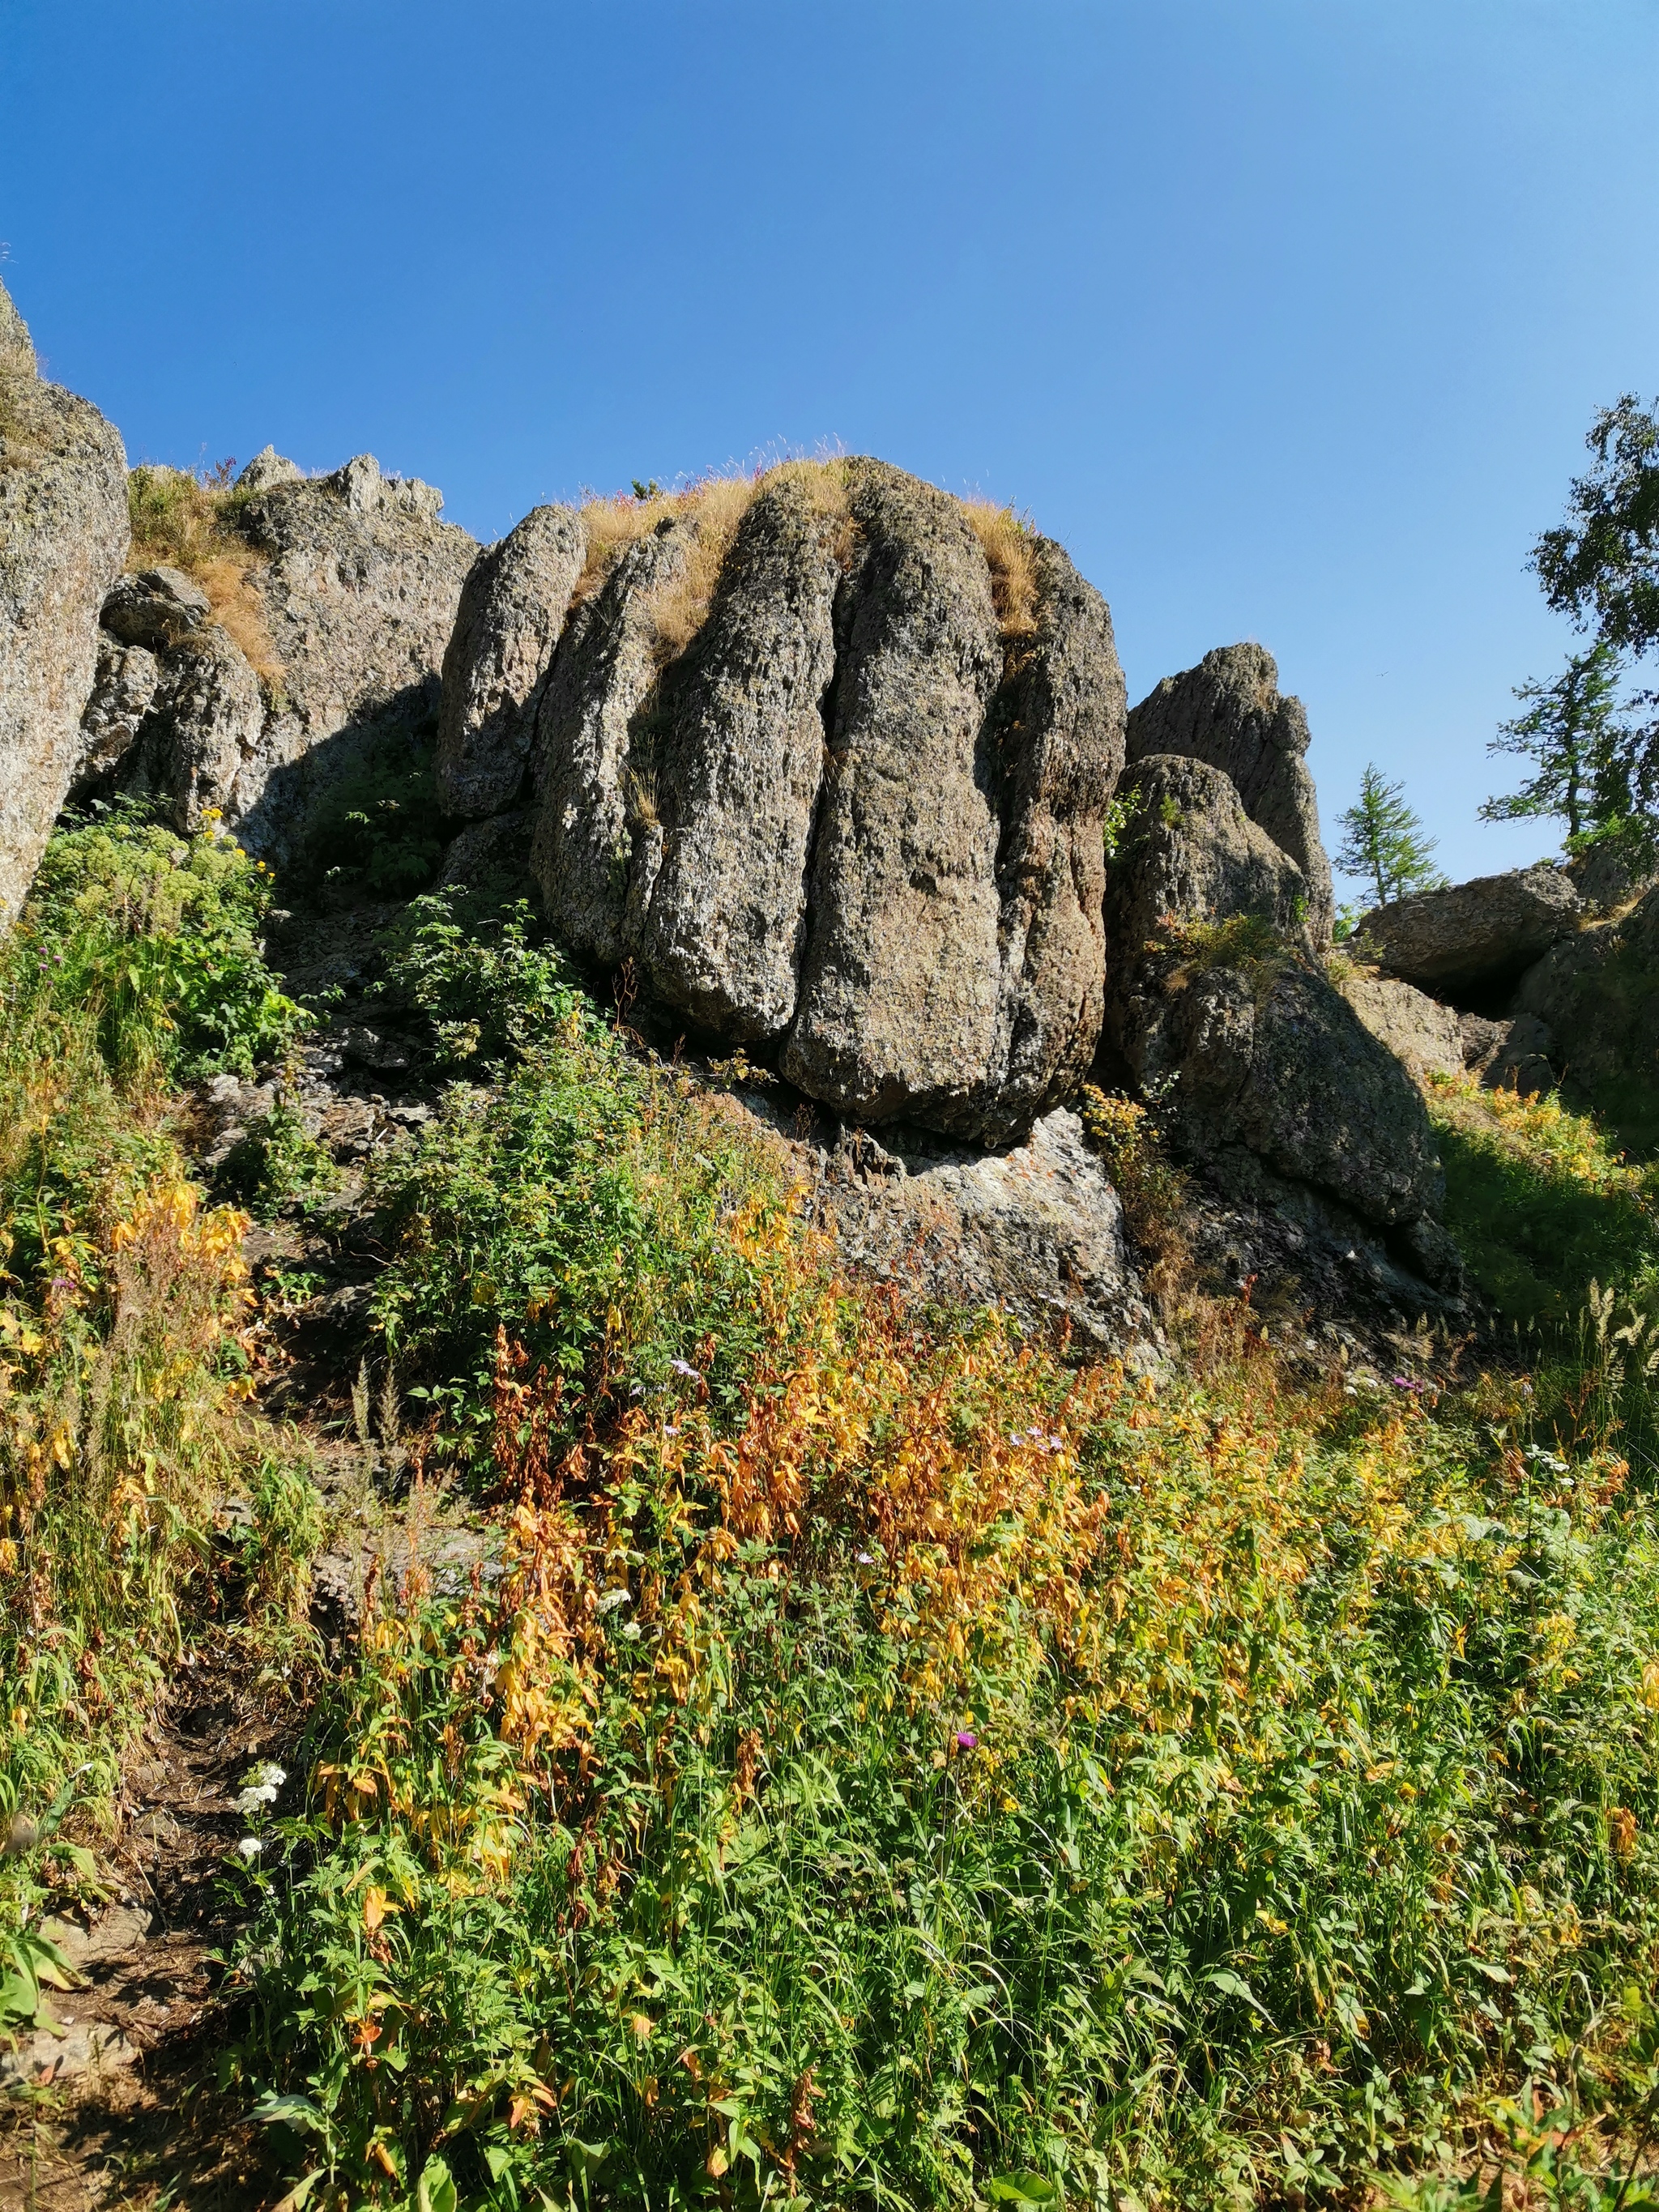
(122, 1303)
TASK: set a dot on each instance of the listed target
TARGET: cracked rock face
(1230, 713)
(1475, 937)
(850, 821)
(1270, 1076)
(359, 592)
(63, 535)
(513, 607)
(720, 890)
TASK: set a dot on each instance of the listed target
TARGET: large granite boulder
(64, 534)
(586, 792)
(360, 588)
(1265, 1071)
(513, 608)
(1476, 938)
(1230, 713)
(1424, 1036)
(728, 777)
(1598, 993)
(849, 820)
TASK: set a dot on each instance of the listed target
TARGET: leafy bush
(971, 1769)
(603, 1212)
(155, 938)
(277, 1164)
(490, 989)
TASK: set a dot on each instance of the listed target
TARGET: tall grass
(186, 520)
(124, 1298)
(896, 1767)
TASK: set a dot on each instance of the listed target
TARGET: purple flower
(685, 1367)
(867, 1558)
(1405, 1383)
(966, 1740)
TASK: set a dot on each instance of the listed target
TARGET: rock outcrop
(1266, 1073)
(512, 609)
(358, 590)
(1230, 713)
(850, 821)
(63, 535)
(1475, 939)
(1426, 1036)
(1598, 993)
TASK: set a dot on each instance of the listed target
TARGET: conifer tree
(1384, 841)
(1579, 749)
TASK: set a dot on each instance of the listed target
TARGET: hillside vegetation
(895, 1763)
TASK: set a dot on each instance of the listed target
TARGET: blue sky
(1287, 317)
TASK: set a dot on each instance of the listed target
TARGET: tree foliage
(1383, 841)
(1601, 567)
(1579, 749)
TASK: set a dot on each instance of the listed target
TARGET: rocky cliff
(63, 536)
(819, 765)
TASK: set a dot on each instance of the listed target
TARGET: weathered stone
(901, 978)
(496, 852)
(1229, 712)
(727, 785)
(1190, 852)
(1598, 991)
(1417, 1030)
(1607, 878)
(603, 672)
(156, 609)
(63, 536)
(124, 688)
(1477, 937)
(267, 467)
(1265, 1069)
(1061, 718)
(1513, 1053)
(359, 591)
(512, 609)
(16, 347)
(1038, 1228)
(204, 728)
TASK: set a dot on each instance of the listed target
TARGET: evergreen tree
(1385, 843)
(1580, 752)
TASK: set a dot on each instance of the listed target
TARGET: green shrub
(156, 937)
(277, 1164)
(379, 830)
(490, 990)
(585, 1206)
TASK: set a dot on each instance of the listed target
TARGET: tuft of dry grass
(714, 506)
(1008, 542)
(183, 520)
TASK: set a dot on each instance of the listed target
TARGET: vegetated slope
(895, 1759)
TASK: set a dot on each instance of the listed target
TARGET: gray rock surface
(1266, 1073)
(1190, 853)
(1062, 725)
(156, 609)
(727, 785)
(1229, 712)
(1426, 1036)
(1475, 937)
(359, 592)
(267, 467)
(496, 852)
(16, 347)
(1038, 1228)
(1515, 1052)
(63, 535)
(124, 685)
(205, 726)
(1598, 992)
(602, 675)
(901, 977)
(512, 609)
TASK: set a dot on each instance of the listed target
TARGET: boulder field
(834, 768)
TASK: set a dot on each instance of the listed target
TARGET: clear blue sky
(1287, 317)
